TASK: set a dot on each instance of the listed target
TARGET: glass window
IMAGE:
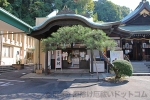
(7, 51)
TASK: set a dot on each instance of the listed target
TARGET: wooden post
(46, 62)
(91, 62)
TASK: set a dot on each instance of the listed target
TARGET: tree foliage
(97, 39)
(108, 11)
(28, 10)
(65, 36)
(122, 68)
(93, 39)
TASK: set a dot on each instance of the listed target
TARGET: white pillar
(6, 37)
(49, 59)
(24, 59)
(1, 45)
(20, 38)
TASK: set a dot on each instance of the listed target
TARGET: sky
(132, 4)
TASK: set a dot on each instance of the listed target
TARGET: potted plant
(18, 65)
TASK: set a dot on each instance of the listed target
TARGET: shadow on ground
(110, 84)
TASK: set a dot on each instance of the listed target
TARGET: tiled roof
(140, 7)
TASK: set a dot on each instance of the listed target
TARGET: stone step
(4, 69)
(140, 67)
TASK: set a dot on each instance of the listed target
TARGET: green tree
(6, 5)
(122, 68)
(93, 39)
(65, 36)
(124, 11)
(108, 11)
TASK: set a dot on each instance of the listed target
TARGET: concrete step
(140, 67)
(141, 74)
(69, 71)
(141, 71)
(4, 69)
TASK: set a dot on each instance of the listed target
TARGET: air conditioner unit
(144, 45)
(126, 45)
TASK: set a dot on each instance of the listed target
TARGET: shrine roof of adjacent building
(143, 5)
(136, 28)
(138, 21)
(11, 23)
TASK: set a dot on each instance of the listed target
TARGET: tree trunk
(106, 59)
(116, 73)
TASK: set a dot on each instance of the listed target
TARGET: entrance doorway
(74, 58)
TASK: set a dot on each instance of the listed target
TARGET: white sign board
(49, 59)
(114, 55)
(58, 59)
(100, 66)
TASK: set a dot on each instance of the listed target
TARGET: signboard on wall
(58, 59)
(114, 55)
(49, 59)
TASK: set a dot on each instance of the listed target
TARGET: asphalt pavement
(15, 86)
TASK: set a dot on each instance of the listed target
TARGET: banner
(58, 59)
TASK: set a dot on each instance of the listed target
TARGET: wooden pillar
(143, 50)
(31, 40)
(33, 45)
(27, 41)
(39, 52)
(46, 62)
(121, 42)
(91, 61)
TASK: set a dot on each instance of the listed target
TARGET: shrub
(122, 68)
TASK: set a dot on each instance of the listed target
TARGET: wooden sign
(58, 59)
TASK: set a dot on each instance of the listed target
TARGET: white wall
(7, 61)
(12, 60)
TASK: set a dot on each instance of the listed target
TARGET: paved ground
(14, 87)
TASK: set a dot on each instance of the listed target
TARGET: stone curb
(141, 74)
